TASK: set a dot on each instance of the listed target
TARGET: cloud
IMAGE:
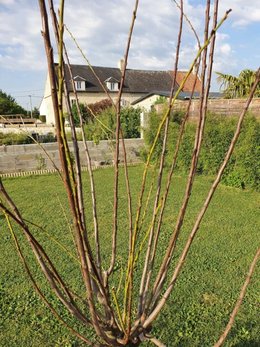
(225, 49)
(21, 45)
(7, 2)
(101, 28)
(243, 13)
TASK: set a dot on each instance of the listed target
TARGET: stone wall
(19, 158)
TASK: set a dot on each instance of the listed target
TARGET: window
(78, 85)
(112, 84)
(124, 103)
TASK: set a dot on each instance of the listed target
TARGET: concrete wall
(31, 157)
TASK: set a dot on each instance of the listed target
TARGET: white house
(138, 84)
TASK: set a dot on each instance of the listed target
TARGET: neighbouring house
(138, 84)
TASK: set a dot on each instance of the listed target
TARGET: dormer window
(80, 83)
(112, 84)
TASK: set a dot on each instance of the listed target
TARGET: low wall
(41, 129)
(19, 158)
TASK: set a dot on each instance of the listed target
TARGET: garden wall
(226, 107)
(20, 158)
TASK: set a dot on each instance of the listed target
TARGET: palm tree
(237, 86)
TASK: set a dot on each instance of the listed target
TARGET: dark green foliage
(89, 111)
(42, 118)
(238, 86)
(218, 135)
(8, 105)
(130, 122)
(100, 120)
(103, 127)
(14, 139)
(36, 113)
(160, 100)
(23, 139)
(243, 169)
(83, 111)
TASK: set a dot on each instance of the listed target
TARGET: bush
(23, 139)
(87, 111)
(104, 126)
(14, 139)
(243, 169)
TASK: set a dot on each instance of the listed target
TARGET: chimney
(121, 64)
(194, 70)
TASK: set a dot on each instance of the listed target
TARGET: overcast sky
(101, 28)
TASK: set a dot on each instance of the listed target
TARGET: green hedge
(14, 139)
(243, 169)
(22, 139)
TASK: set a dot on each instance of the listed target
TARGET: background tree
(238, 86)
(8, 105)
(35, 112)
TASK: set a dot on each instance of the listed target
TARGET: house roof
(189, 83)
(136, 81)
(182, 95)
(78, 78)
(112, 80)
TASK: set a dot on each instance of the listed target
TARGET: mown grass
(204, 294)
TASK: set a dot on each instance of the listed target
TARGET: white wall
(46, 107)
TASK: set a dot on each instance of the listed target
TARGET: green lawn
(204, 295)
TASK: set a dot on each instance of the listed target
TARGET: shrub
(23, 139)
(14, 139)
(87, 111)
(84, 112)
(103, 127)
(243, 169)
(99, 107)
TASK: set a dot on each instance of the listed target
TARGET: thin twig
(116, 155)
(242, 294)
(196, 150)
(37, 288)
(149, 260)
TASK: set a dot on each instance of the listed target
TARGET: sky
(101, 29)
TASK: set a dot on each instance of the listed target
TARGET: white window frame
(112, 86)
(78, 85)
(124, 103)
